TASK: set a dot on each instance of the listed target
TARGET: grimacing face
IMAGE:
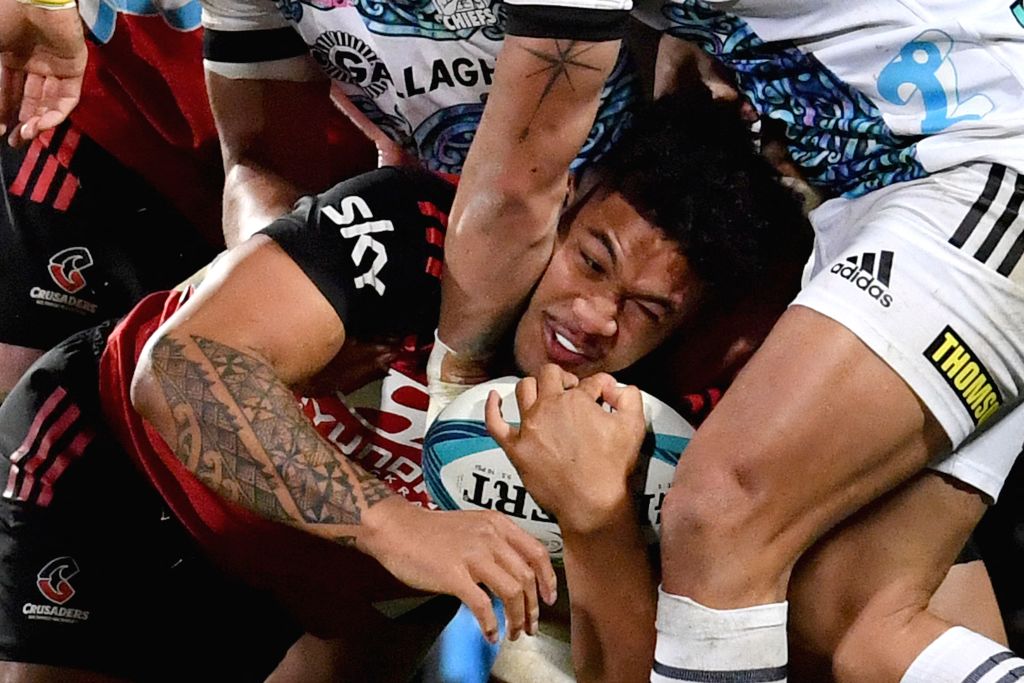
(614, 290)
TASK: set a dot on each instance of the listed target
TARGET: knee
(719, 504)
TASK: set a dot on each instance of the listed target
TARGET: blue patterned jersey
(873, 92)
(418, 69)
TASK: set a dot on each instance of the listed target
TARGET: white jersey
(418, 69)
(874, 91)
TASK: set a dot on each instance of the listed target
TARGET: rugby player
(414, 77)
(224, 454)
(905, 342)
(120, 196)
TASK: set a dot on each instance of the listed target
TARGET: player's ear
(570, 191)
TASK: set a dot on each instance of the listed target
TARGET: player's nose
(596, 315)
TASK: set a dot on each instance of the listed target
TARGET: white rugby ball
(465, 469)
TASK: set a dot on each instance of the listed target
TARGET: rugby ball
(465, 469)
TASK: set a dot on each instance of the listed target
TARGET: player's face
(615, 288)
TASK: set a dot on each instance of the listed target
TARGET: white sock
(697, 643)
(963, 656)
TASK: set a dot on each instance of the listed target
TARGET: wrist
(50, 4)
(379, 524)
(597, 514)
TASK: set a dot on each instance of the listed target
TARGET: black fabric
(575, 23)
(373, 261)
(103, 578)
(117, 239)
(245, 47)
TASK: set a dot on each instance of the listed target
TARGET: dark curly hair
(689, 166)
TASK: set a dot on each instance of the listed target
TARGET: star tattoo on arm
(557, 65)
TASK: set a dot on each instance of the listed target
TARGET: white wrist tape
(441, 393)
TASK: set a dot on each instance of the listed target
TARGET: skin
(595, 513)
(614, 289)
(230, 345)
(506, 209)
(263, 176)
(42, 64)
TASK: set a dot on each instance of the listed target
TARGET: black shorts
(94, 572)
(83, 238)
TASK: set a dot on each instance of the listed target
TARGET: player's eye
(591, 263)
(652, 311)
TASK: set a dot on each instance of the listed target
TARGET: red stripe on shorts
(67, 456)
(67, 192)
(45, 178)
(43, 452)
(68, 147)
(28, 164)
(37, 424)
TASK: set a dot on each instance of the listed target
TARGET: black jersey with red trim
(372, 245)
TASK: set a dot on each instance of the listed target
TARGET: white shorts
(930, 275)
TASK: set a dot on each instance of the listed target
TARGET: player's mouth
(566, 347)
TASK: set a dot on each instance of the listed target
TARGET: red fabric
(144, 101)
(268, 555)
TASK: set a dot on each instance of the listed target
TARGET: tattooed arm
(539, 111)
(214, 381)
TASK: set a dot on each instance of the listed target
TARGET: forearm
(13, 23)
(545, 96)
(269, 161)
(613, 598)
(233, 423)
(254, 196)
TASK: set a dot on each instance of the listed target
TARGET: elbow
(146, 397)
(520, 220)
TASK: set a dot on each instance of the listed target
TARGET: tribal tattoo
(557, 65)
(318, 481)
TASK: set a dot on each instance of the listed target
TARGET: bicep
(258, 300)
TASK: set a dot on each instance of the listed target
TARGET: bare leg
(861, 597)
(815, 427)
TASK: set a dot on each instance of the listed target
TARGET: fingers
(508, 589)
(623, 399)
(526, 394)
(12, 85)
(536, 555)
(596, 386)
(553, 380)
(479, 603)
(501, 431)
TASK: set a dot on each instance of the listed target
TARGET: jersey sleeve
(589, 20)
(373, 246)
(252, 39)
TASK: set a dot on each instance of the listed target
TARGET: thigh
(903, 343)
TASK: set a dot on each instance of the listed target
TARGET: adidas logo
(870, 272)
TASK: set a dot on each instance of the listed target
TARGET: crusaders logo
(53, 580)
(66, 268)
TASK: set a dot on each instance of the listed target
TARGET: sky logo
(923, 73)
